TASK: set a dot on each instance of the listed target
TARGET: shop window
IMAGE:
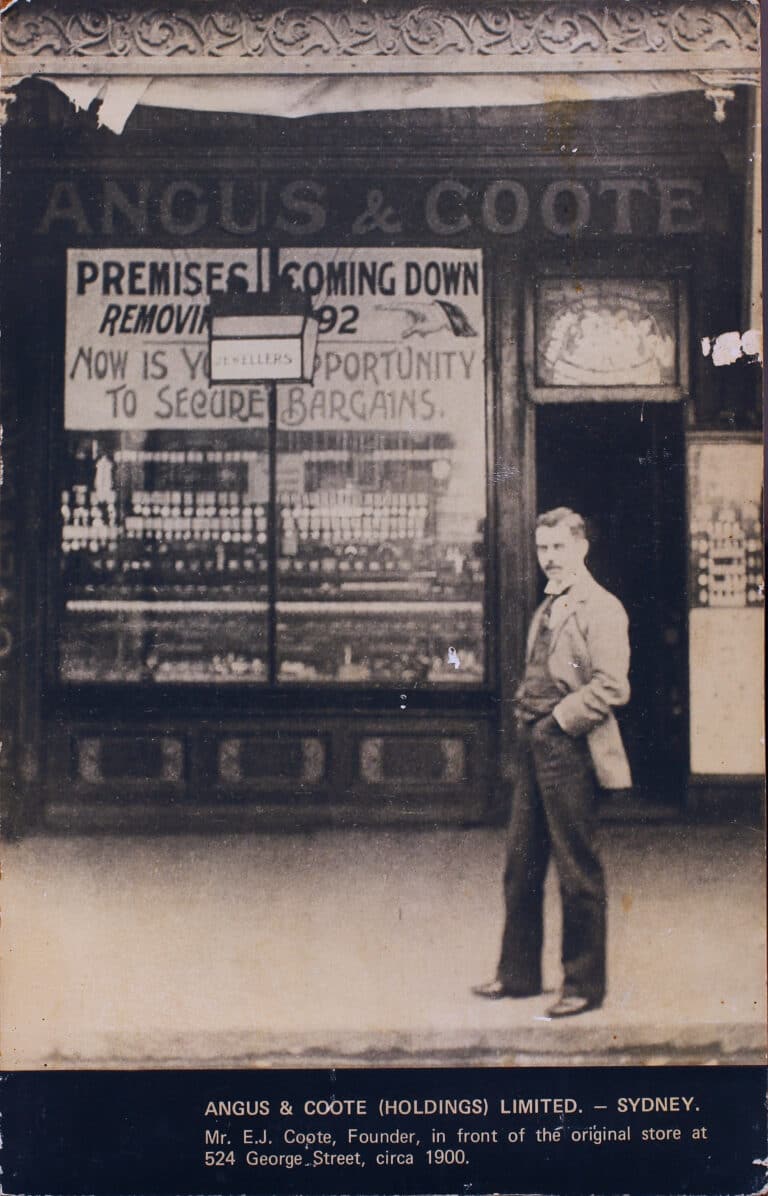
(335, 534)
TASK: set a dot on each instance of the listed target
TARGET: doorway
(622, 466)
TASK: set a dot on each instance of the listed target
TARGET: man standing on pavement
(576, 672)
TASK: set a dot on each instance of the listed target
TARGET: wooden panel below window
(133, 759)
(295, 772)
(275, 761)
(415, 759)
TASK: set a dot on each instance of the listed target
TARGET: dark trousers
(553, 810)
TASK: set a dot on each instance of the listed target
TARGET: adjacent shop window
(370, 567)
(726, 597)
(606, 339)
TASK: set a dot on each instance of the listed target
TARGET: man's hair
(558, 515)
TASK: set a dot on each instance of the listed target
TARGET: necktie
(546, 614)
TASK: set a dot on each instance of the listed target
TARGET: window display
(726, 533)
(164, 558)
(378, 563)
(727, 599)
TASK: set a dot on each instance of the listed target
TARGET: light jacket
(589, 654)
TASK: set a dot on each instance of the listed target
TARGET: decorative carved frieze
(596, 35)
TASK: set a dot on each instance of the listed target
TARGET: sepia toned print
(281, 706)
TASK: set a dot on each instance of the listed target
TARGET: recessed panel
(103, 758)
(414, 759)
(281, 760)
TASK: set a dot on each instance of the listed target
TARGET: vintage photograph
(382, 538)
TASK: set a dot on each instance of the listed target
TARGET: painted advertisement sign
(401, 343)
(401, 339)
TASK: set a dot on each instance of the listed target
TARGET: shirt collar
(556, 588)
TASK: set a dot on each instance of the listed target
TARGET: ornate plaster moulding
(248, 38)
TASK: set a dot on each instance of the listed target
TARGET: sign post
(264, 336)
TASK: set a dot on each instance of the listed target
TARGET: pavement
(352, 947)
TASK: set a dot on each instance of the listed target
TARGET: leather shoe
(496, 990)
(571, 1004)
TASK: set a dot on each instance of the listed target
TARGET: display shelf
(398, 644)
(376, 608)
(132, 606)
(169, 643)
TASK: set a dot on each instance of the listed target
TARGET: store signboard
(604, 200)
(137, 354)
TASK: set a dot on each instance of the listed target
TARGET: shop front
(245, 603)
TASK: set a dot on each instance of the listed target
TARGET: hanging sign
(261, 337)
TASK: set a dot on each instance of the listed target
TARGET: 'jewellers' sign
(251, 208)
